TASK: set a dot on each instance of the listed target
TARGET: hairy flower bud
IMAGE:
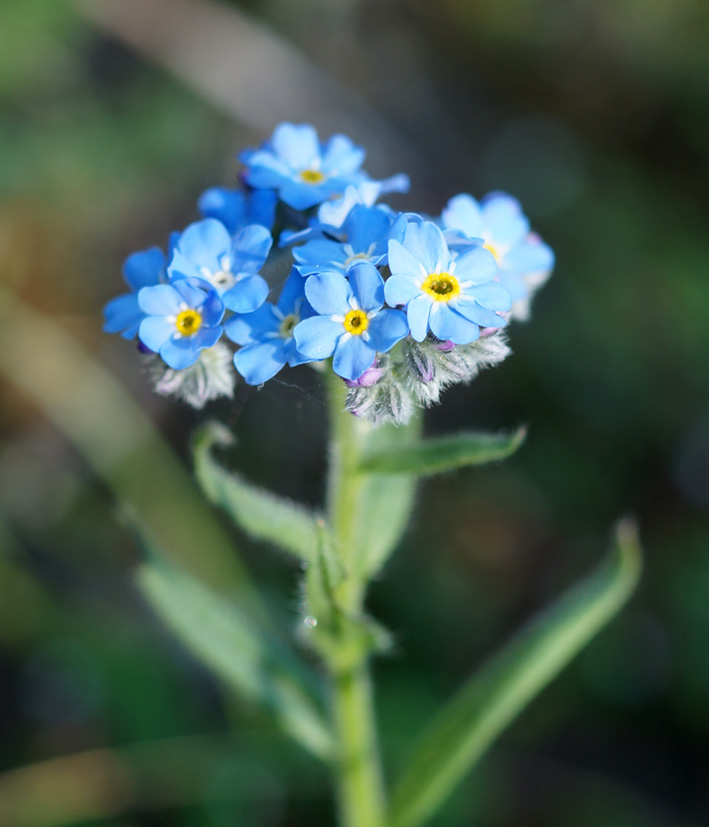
(210, 377)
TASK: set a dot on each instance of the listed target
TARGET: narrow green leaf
(434, 456)
(261, 514)
(240, 653)
(493, 698)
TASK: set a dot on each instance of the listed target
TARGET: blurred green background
(114, 116)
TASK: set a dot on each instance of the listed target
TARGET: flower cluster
(403, 304)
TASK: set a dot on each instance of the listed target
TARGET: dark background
(114, 116)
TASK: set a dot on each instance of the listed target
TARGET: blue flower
(523, 258)
(353, 324)
(182, 318)
(452, 296)
(122, 314)
(304, 171)
(332, 214)
(267, 333)
(206, 251)
(235, 208)
(367, 231)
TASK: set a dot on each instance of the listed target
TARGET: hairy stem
(359, 776)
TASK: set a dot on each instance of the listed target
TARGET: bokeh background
(114, 116)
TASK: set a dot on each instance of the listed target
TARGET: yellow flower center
(356, 322)
(188, 322)
(442, 287)
(285, 331)
(312, 176)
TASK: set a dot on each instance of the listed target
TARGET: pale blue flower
(142, 269)
(267, 333)
(181, 319)
(523, 258)
(207, 251)
(353, 325)
(450, 296)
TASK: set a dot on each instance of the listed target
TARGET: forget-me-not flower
(367, 231)
(236, 208)
(207, 251)
(452, 296)
(525, 261)
(304, 171)
(267, 333)
(181, 319)
(353, 325)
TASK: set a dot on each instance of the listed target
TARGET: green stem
(359, 776)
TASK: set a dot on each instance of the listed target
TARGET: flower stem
(359, 776)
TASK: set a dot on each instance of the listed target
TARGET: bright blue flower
(452, 296)
(267, 333)
(235, 208)
(353, 324)
(207, 251)
(122, 314)
(304, 171)
(523, 258)
(367, 231)
(182, 318)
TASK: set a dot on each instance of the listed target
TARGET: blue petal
(341, 156)
(250, 328)
(320, 253)
(403, 263)
(293, 290)
(155, 331)
(463, 213)
(352, 357)
(401, 289)
(250, 249)
(297, 146)
(447, 324)
(265, 171)
(302, 196)
(144, 268)
(367, 285)
(492, 295)
(366, 226)
(329, 294)
(529, 256)
(182, 268)
(503, 219)
(179, 353)
(161, 300)
(205, 242)
(261, 208)
(417, 313)
(476, 264)
(258, 363)
(473, 312)
(206, 337)
(123, 314)
(427, 245)
(195, 293)
(387, 328)
(317, 337)
(246, 295)
(227, 206)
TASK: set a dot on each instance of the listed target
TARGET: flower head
(267, 334)
(207, 251)
(353, 325)
(525, 261)
(452, 296)
(181, 319)
(304, 171)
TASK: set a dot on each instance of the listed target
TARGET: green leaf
(434, 456)
(493, 698)
(240, 653)
(259, 513)
(386, 500)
